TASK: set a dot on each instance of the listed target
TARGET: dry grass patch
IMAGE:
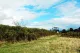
(49, 44)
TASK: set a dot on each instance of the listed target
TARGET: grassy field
(49, 44)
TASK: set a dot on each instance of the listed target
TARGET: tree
(79, 29)
(71, 29)
(64, 31)
(55, 29)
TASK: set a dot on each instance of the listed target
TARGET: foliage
(71, 32)
(48, 44)
(18, 33)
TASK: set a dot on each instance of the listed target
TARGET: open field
(49, 44)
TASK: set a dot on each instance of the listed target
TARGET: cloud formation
(70, 18)
(61, 13)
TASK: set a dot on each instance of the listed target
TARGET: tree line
(18, 33)
(71, 32)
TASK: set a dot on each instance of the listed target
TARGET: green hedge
(18, 33)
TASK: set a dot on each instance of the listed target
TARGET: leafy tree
(71, 29)
(64, 31)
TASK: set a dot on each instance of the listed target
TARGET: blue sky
(41, 13)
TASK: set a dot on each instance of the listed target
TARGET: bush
(18, 33)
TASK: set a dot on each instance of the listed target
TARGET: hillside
(49, 44)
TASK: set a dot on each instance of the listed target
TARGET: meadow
(48, 44)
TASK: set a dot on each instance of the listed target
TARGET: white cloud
(71, 17)
(8, 22)
(10, 14)
(44, 4)
(13, 10)
(67, 21)
(63, 22)
(39, 25)
(67, 8)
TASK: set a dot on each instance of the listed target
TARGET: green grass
(49, 44)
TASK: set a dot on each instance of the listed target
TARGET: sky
(41, 13)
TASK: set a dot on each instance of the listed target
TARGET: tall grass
(49, 44)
